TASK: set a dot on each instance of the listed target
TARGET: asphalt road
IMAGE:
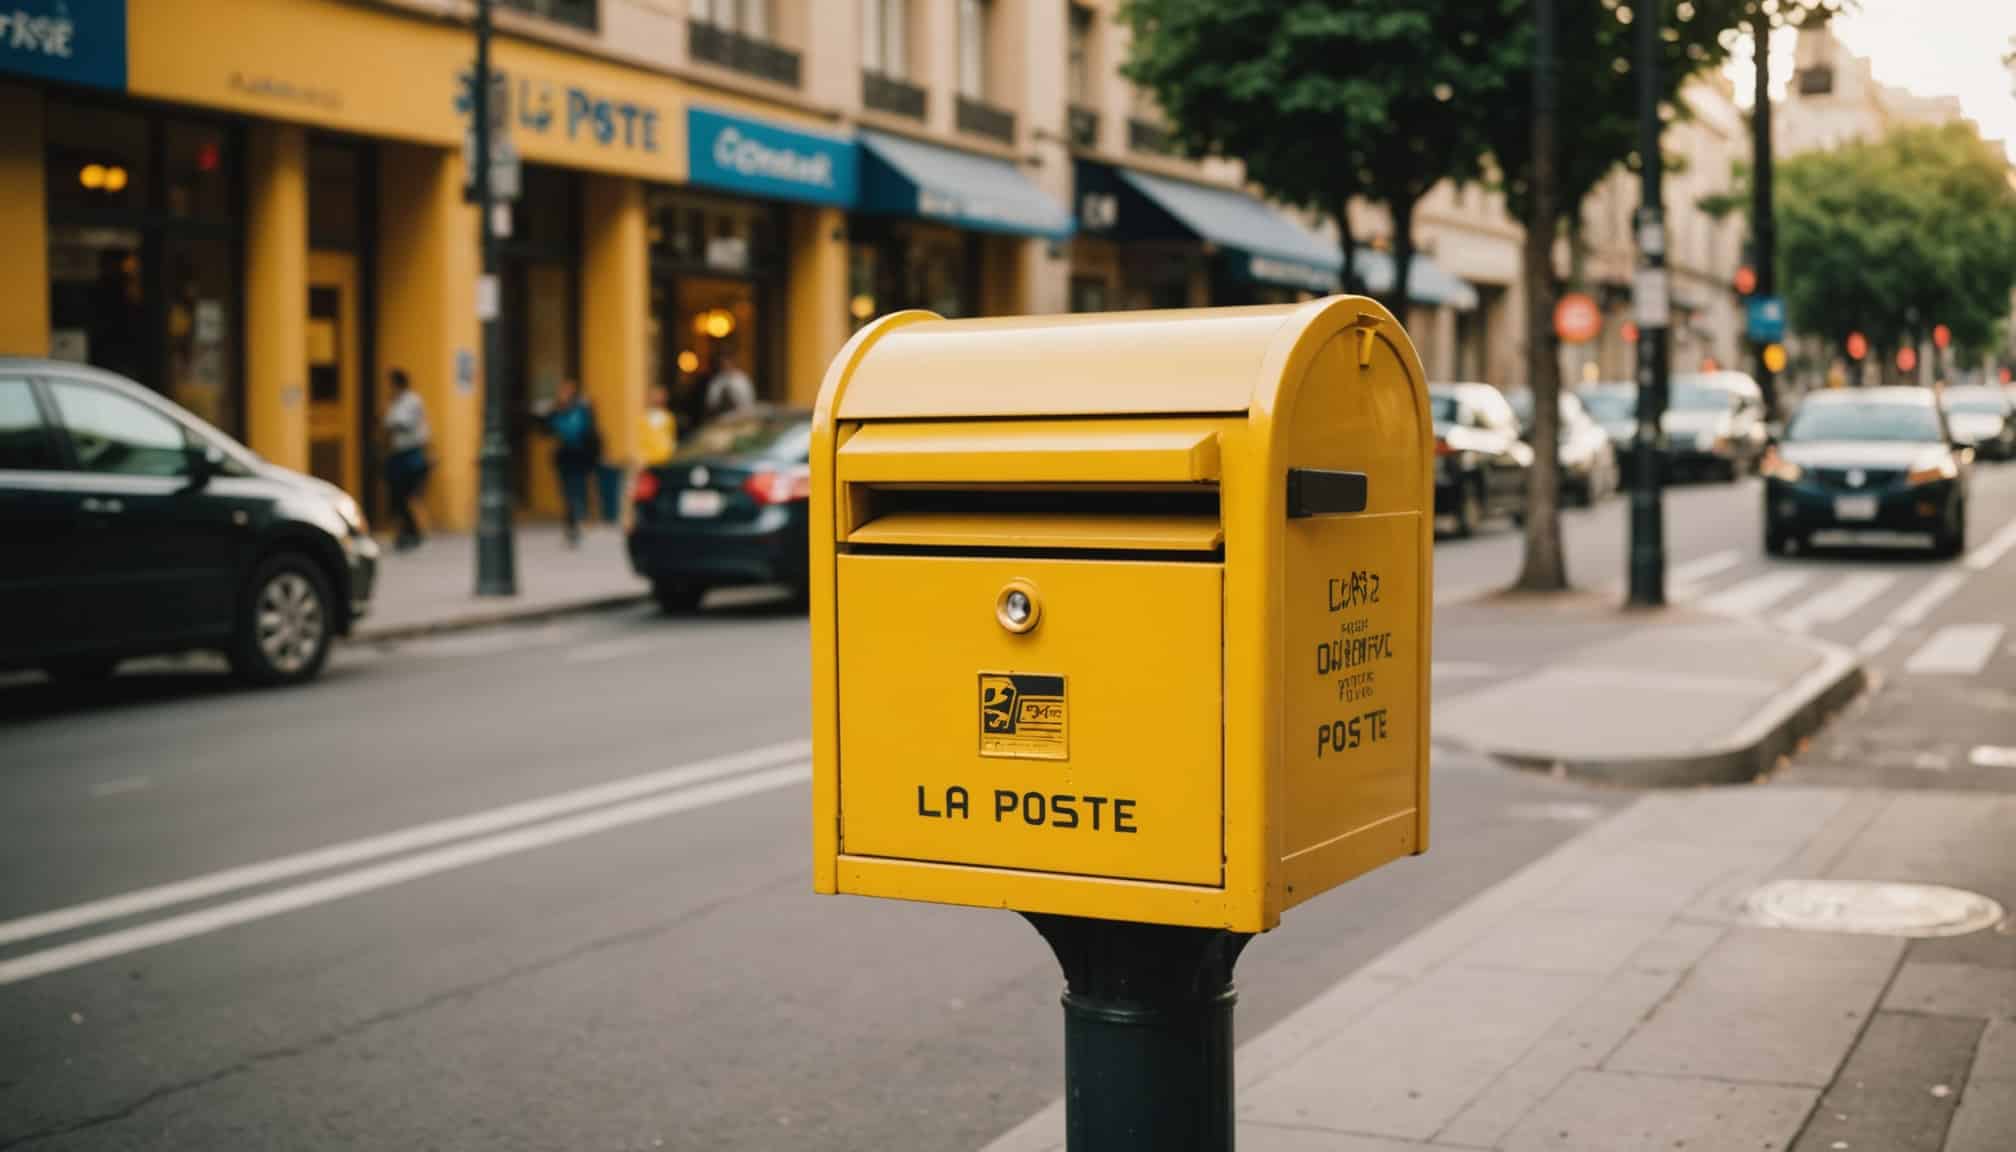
(644, 965)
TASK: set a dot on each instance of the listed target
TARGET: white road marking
(1754, 596)
(1838, 602)
(1695, 571)
(1913, 611)
(1992, 756)
(391, 872)
(1956, 650)
(1461, 669)
(404, 840)
(1879, 638)
(120, 787)
(612, 649)
(1997, 546)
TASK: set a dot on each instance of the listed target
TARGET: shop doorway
(708, 322)
(335, 451)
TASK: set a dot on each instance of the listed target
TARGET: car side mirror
(204, 462)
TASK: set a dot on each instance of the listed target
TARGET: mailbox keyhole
(1017, 608)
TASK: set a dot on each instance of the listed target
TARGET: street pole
(1147, 1034)
(1650, 303)
(1763, 229)
(496, 559)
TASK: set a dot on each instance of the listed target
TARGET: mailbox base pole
(1147, 1034)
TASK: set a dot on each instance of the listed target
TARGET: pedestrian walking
(577, 451)
(661, 428)
(407, 439)
(730, 390)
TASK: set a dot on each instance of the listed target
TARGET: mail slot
(1121, 616)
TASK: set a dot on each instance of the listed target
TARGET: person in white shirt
(406, 463)
(730, 390)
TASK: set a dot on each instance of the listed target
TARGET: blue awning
(1427, 282)
(1271, 248)
(903, 177)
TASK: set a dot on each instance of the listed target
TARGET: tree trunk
(1400, 205)
(1545, 568)
(1340, 210)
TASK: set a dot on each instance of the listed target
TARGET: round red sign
(1907, 359)
(1858, 346)
(1942, 335)
(1746, 280)
(1576, 319)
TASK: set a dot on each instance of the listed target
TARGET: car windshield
(1695, 398)
(1981, 400)
(1611, 407)
(777, 435)
(1865, 420)
(1442, 407)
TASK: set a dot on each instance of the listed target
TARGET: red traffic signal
(1907, 359)
(1746, 280)
(1941, 336)
(1629, 331)
(1858, 346)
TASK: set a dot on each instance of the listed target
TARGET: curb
(468, 622)
(1754, 749)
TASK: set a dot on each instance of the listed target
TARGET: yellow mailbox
(1121, 616)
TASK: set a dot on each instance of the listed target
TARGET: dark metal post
(1648, 528)
(1763, 229)
(496, 559)
(1147, 1034)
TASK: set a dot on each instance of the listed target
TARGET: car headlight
(352, 515)
(1931, 470)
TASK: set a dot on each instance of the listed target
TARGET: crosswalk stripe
(1956, 650)
(1920, 605)
(1695, 571)
(1755, 595)
(1838, 602)
(1984, 557)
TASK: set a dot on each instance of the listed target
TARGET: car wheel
(284, 624)
(1778, 539)
(77, 671)
(677, 597)
(1469, 509)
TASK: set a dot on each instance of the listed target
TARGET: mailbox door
(1090, 745)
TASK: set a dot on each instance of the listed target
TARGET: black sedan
(133, 528)
(1867, 460)
(1480, 463)
(729, 509)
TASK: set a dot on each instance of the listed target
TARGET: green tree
(1893, 236)
(1326, 100)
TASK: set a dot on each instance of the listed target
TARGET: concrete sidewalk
(432, 588)
(1641, 698)
(1616, 996)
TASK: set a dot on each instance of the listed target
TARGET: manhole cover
(1871, 908)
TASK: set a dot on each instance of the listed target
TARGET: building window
(1078, 58)
(578, 13)
(749, 18)
(973, 49)
(885, 38)
(736, 34)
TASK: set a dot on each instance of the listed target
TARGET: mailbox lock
(1017, 607)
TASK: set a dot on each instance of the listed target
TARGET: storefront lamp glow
(720, 323)
(689, 361)
(861, 307)
(115, 179)
(92, 176)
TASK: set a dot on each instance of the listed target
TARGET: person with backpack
(406, 463)
(577, 451)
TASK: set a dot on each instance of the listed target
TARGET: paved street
(559, 894)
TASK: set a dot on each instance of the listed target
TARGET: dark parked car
(1714, 425)
(730, 508)
(134, 528)
(1867, 459)
(1480, 462)
(1983, 417)
(1588, 462)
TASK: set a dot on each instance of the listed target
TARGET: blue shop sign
(767, 160)
(1766, 319)
(75, 41)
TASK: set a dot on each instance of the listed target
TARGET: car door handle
(107, 505)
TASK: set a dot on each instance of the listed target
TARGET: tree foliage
(1893, 236)
(1325, 100)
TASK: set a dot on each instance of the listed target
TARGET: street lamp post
(1763, 230)
(1649, 302)
(496, 558)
